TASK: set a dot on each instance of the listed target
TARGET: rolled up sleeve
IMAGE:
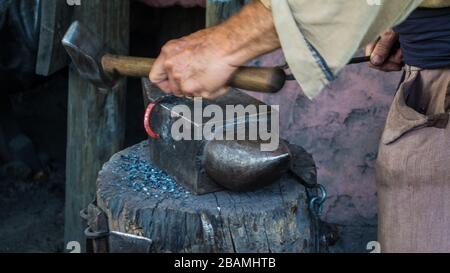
(319, 37)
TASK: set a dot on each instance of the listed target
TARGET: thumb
(383, 47)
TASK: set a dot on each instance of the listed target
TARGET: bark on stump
(273, 219)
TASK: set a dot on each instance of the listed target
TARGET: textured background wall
(341, 128)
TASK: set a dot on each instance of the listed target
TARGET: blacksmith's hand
(384, 54)
(201, 64)
(194, 66)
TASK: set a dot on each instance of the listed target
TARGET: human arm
(318, 39)
(202, 63)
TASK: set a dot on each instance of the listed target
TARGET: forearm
(202, 63)
(248, 34)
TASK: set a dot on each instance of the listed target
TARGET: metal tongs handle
(356, 60)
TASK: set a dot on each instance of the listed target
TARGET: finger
(369, 49)
(159, 75)
(158, 72)
(191, 88)
(174, 86)
(394, 63)
(213, 95)
(397, 57)
(164, 86)
(383, 47)
(388, 67)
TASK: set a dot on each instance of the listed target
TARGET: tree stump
(142, 200)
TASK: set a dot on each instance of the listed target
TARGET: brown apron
(413, 166)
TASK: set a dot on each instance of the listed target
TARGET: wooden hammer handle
(127, 66)
(258, 79)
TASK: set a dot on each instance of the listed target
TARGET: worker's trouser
(413, 166)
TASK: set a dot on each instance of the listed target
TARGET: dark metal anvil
(184, 160)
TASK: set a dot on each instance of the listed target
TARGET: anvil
(200, 164)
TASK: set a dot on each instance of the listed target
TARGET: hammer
(96, 64)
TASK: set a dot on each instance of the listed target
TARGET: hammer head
(86, 52)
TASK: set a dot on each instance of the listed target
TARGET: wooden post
(96, 121)
(218, 11)
(56, 16)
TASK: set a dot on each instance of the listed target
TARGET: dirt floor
(31, 210)
(32, 214)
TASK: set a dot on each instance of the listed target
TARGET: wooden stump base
(139, 200)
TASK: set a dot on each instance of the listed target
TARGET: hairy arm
(202, 63)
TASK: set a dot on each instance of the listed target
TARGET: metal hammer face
(86, 52)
